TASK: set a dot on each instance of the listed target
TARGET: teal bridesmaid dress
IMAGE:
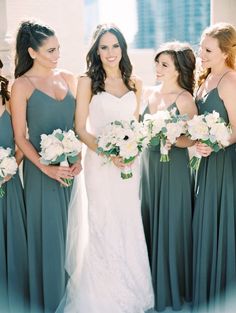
(214, 221)
(13, 244)
(46, 205)
(166, 198)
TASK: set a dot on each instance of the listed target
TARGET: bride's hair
(95, 68)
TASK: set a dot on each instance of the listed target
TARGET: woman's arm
(138, 86)
(72, 82)
(83, 98)
(186, 105)
(227, 93)
(19, 95)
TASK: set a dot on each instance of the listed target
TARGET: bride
(113, 274)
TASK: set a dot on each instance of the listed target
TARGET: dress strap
(30, 81)
(222, 77)
(179, 94)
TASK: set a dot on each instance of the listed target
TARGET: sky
(122, 13)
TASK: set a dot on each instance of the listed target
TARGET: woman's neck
(113, 73)
(169, 88)
(219, 70)
(40, 71)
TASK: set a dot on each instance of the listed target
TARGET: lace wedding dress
(113, 273)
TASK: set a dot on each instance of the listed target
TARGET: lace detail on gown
(115, 275)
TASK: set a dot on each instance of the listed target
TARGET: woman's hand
(118, 162)
(6, 179)
(58, 173)
(167, 145)
(76, 168)
(203, 149)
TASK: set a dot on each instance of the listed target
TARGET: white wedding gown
(112, 275)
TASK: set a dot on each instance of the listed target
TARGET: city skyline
(159, 21)
(148, 23)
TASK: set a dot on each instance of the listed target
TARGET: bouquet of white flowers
(162, 126)
(125, 139)
(8, 166)
(208, 128)
(60, 147)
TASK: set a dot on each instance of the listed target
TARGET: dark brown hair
(4, 87)
(184, 60)
(95, 69)
(30, 34)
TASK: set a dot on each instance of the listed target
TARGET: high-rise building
(91, 18)
(167, 20)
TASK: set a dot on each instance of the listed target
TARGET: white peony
(128, 149)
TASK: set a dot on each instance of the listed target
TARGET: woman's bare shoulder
(22, 85)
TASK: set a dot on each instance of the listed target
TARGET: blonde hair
(225, 33)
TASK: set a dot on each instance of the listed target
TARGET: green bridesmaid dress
(166, 198)
(13, 244)
(214, 221)
(46, 205)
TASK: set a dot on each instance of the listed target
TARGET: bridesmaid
(13, 245)
(166, 187)
(43, 99)
(214, 230)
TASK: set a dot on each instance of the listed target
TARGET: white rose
(8, 166)
(52, 152)
(57, 131)
(212, 118)
(47, 140)
(4, 152)
(174, 130)
(221, 134)
(197, 128)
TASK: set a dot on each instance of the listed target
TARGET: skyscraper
(166, 20)
(91, 17)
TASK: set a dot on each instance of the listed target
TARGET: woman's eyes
(162, 64)
(202, 49)
(106, 47)
(52, 50)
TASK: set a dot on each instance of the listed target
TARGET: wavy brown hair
(4, 87)
(225, 34)
(184, 60)
(95, 69)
